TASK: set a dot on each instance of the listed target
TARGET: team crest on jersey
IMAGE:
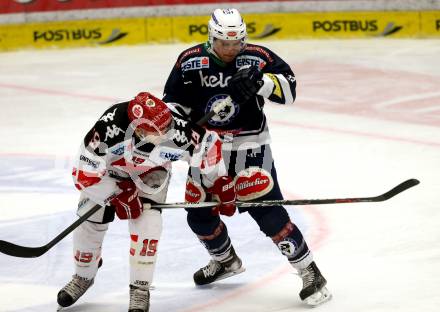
(252, 183)
(195, 63)
(249, 60)
(226, 115)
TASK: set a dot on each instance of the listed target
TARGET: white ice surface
(367, 117)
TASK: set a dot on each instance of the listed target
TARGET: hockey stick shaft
(391, 193)
(33, 252)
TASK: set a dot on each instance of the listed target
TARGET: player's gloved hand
(224, 189)
(127, 204)
(245, 84)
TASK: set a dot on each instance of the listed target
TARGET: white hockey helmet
(226, 24)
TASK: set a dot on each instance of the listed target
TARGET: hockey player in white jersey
(228, 66)
(124, 164)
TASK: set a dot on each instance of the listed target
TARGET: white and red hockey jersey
(111, 152)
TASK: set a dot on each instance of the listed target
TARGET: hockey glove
(224, 189)
(245, 84)
(127, 204)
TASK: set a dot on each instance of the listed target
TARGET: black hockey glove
(245, 84)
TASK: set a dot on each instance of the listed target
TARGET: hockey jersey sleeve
(279, 82)
(174, 93)
(90, 171)
(90, 176)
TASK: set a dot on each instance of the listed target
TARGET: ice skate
(216, 270)
(70, 293)
(139, 299)
(314, 291)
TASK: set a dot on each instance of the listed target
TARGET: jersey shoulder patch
(195, 63)
(259, 51)
(195, 51)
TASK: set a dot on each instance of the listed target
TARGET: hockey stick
(391, 193)
(34, 252)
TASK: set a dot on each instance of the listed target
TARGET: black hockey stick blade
(33, 252)
(391, 193)
(398, 189)
(21, 251)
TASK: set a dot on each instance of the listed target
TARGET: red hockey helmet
(152, 114)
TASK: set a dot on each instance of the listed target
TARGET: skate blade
(231, 273)
(60, 308)
(318, 298)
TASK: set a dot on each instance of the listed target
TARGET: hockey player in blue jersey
(228, 67)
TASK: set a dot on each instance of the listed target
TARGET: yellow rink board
(430, 24)
(69, 34)
(314, 25)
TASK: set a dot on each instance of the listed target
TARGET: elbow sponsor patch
(277, 91)
(253, 183)
(85, 179)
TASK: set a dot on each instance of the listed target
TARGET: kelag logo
(268, 30)
(368, 26)
(83, 34)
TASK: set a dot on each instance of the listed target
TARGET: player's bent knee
(271, 220)
(87, 243)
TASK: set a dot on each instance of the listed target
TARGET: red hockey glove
(127, 204)
(224, 188)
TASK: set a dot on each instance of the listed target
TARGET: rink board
(128, 31)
